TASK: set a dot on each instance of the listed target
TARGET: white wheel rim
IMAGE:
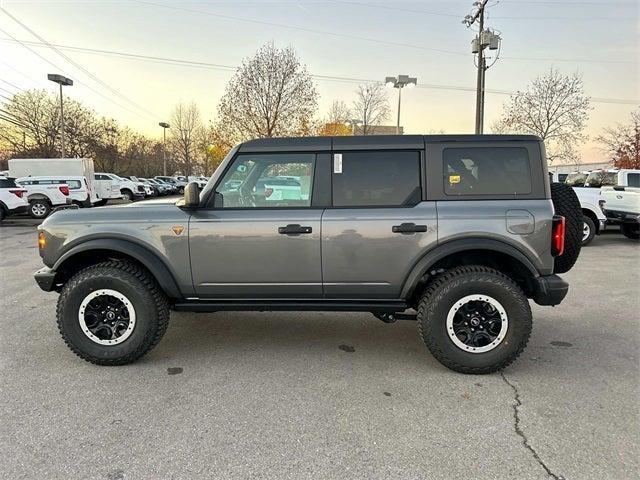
(586, 231)
(477, 298)
(117, 295)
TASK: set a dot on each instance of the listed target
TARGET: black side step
(213, 305)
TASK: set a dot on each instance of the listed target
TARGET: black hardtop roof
(368, 142)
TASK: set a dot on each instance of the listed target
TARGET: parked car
(44, 194)
(129, 190)
(13, 200)
(79, 193)
(200, 180)
(621, 204)
(594, 220)
(107, 188)
(58, 168)
(558, 177)
(390, 223)
(175, 182)
(161, 187)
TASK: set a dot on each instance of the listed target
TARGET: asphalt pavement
(323, 395)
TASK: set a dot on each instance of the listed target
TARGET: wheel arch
(476, 251)
(587, 212)
(97, 250)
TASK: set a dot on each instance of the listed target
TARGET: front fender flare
(150, 260)
(441, 251)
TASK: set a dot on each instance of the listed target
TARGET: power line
(227, 68)
(80, 67)
(367, 39)
(89, 87)
(11, 84)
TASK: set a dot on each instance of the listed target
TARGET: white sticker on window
(337, 163)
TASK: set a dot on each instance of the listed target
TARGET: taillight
(267, 192)
(64, 189)
(17, 193)
(557, 236)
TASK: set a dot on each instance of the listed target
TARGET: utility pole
(483, 40)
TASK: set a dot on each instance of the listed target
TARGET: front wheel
(631, 231)
(474, 319)
(112, 313)
(588, 230)
(127, 195)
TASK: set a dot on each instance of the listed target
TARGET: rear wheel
(588, 230)
(566, 203)
(39, 208)
(474, 319)
(631, 231)
(112, 313)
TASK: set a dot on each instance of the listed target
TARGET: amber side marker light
(42, 241)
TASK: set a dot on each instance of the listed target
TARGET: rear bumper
(45, 278)
(549, 290)
(615, 216)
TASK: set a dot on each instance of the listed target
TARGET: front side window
(376, 179)
(486, 171)
(268, 181)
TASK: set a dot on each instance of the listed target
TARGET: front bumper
(45, 278)
(19, 210)
(549, 290)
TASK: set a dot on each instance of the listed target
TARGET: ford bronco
(454, 231)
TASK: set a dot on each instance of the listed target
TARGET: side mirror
(191, 195)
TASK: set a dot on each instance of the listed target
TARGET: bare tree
(338, 112)
(186, 135)
(553, 107)
(270, 95)
(371, 106)
(622, 142)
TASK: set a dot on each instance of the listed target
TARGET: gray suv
(456, 232)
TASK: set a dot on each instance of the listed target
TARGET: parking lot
(324, 395)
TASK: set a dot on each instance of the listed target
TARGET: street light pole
(164, 126)
(61, 80)
(400, 82)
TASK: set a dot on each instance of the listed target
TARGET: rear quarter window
(487, 171)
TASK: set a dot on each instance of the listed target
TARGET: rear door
(378, 225)
(254, 242)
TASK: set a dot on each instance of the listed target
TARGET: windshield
(576, 179)
(601, 178)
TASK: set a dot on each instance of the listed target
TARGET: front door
(262, 238)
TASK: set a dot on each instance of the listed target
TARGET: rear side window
(9, 183)
(73, 184)
(376, 179)
(486, 171)
(634, 179)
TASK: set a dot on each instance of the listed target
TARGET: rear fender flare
(423, 265)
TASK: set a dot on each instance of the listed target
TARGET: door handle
(294, 229)
(408, 228)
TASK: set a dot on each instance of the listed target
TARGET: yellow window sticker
(454, 179)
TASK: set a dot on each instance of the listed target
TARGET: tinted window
(562, 177)
(9, 183)
(376, 179)
(268, 180)
(486, 171)
(634, 179)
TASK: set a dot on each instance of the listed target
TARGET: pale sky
(359, 39)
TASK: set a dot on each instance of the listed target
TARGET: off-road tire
(445, 290)
(44, 205)
(566, 203)
(149, 302)
(630, 231)
(592, 230)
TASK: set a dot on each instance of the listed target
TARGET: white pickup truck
(621, 203)
(594, 219)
